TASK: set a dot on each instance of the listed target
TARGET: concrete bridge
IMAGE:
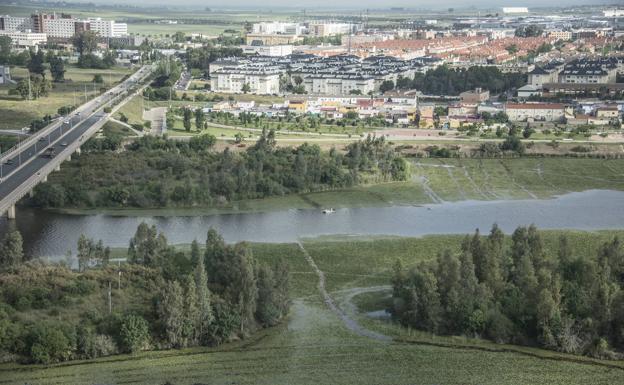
(30, 162)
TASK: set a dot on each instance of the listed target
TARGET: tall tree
(85, 42)
(85, 252)
(188, 113)
(36, 64)
(12, 252)
(204, 303)
(200, 119)
(57, 69)
(172, 315)
(192, 316)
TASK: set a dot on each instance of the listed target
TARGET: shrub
(134, 334)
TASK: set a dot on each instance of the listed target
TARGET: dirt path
(513, 181)
(462, 193)
(473, 184)
(349, 322)
(487, 178)
(435, 198)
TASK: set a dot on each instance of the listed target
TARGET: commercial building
(25, 39)
(276, 27)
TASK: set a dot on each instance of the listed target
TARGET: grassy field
(152, 29)
(16, 113)
(315, 344)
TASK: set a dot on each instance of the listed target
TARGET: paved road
(29, 159)
(37, 150)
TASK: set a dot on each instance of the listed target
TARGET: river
(52, 234)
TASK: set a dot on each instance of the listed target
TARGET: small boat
(328, 211)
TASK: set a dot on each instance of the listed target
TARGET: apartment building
(560, 35)
(263, 81)
(65, 26)
(588, 71)
(323, 29)
(268, 50)
(272, 39)
(108, 28)
(276, 27)
(527, 112)
(15, 24)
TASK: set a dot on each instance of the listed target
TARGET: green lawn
(314, 345)
(16, 113)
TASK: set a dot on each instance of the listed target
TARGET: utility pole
(110, 301)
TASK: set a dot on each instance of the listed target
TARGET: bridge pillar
(69, 158)
(58, 167)
(31, 193)
(45, 179)
(11, 212)
(78, 151)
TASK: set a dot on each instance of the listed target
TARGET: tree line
(519, 294)
(161, 298)
(446, 81)
(158, 172)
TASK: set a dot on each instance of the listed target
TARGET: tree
(85, 252)
(12, 252)
(5, 49)
(134, 333)
(36, 64)
(386, 85)
(147, 247)
(171, 314)
(192, 320)
(200, 119)
(97, 78)
(246, 88)
(204, 303)
(57, 68)
(85, 42)
(188, 113)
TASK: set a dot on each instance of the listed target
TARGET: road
(27, 164)
(37, 160)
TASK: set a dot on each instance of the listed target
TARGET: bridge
(31, 161)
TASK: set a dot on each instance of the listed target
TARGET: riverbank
(432, 181)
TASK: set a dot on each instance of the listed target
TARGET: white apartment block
(268, 50)
(62, 25)
(546, 112)
(277, 27)
(613, 13)
(232, 80)
(19, 24)
(338, 85)
(59, 27)
(25, 39)
(108, 28)
(330, 29)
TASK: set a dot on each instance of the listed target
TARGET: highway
(29, 163)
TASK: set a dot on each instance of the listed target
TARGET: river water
(52, 235)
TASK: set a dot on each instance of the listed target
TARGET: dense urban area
(386, 195)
